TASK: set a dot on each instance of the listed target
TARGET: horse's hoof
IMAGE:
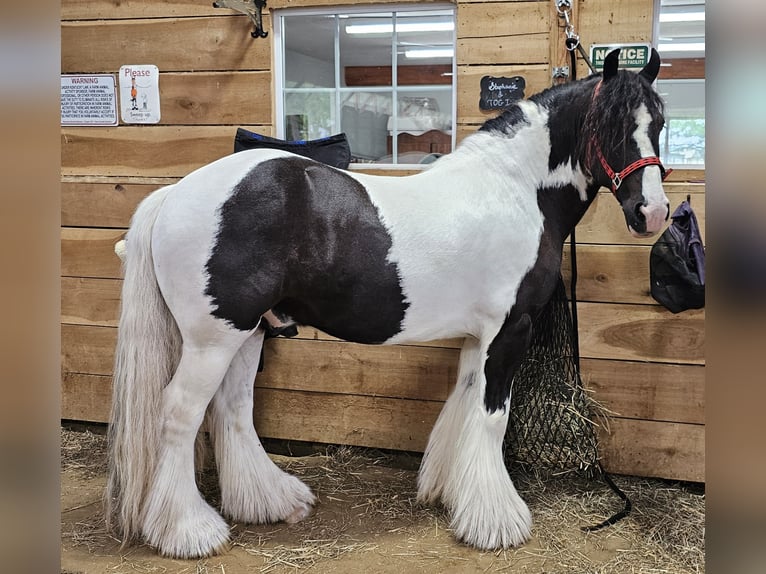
(286, 499)
(490, 525)
(304, 500)
(301, 511)
(191, 533)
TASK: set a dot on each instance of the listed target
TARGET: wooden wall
(644, 363)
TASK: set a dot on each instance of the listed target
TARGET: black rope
(572, 242)
(571, 44)
(617, 516)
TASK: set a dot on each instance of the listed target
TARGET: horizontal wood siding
(172, 44)
(641, 362)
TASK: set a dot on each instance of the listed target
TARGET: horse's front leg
(463, 464)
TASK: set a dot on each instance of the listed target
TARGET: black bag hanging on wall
(333, 150)
(677, 263)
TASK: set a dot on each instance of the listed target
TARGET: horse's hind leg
(253, 488)
(463, 463)
(176, 519)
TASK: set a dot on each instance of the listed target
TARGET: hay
(84, 451)
(367, 513)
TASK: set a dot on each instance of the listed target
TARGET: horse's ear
(652, 68)
(611, 62)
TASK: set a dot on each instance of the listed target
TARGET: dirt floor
(367, 521)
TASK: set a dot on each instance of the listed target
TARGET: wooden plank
(87, 349)
(504, 50)
(640, 390)
(605, 274)
(379, 422)
(101, 204)
(90, 253)
(682, 69)
(651, 391)
(86, 397)
(537, 78)
(187, 44)
(113, 9)
(610, 274)
(650, 448)
(86, 301)
(686, 175)
(405, 75)
(634, 447)
(485, 20)
(211, 98)
(274, 4)
(110, 9)
(396, 172)
(410, 372)
(110, 202)
(95, 301)
(345, 419)
(641, 333)
(605, 223)
(668, 393)
(147, 151)
(605, 21)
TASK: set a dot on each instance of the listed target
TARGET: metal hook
(563, 6)
(253, 9)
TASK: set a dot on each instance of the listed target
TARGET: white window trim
(278, 69)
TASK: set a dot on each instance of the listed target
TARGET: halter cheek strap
(618, 177)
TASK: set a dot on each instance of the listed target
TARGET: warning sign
(140, 94)
(88, 100)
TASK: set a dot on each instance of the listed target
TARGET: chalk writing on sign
(498, 93)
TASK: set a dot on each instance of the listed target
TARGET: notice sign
(140, 94)
(88, 100)
(632, 56)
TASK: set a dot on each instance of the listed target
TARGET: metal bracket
(253, 9)
(560, 72)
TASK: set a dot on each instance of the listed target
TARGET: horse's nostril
(639, 214)
(667, 214)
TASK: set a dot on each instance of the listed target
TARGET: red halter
(618, 177)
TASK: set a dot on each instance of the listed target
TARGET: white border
(94, 123)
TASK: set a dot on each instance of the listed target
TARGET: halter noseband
(618, 177)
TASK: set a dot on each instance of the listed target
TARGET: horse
(267, 240)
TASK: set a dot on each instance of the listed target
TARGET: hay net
(551, 426)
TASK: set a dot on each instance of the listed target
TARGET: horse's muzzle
(653, 217)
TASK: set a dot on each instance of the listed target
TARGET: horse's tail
(147, 354)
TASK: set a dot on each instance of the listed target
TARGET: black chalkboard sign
(499, 93)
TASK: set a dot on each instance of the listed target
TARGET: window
(680, 39)
(682, 142)
(385, 77)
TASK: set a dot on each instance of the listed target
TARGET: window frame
(394, 89)
(669, 114)
(670, 117)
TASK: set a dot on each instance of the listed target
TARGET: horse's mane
(609, 116)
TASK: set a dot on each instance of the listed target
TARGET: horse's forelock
(610, 117)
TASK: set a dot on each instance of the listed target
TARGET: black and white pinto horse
(260, 239)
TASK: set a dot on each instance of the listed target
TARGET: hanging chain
(572, 42)
(564, 9)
